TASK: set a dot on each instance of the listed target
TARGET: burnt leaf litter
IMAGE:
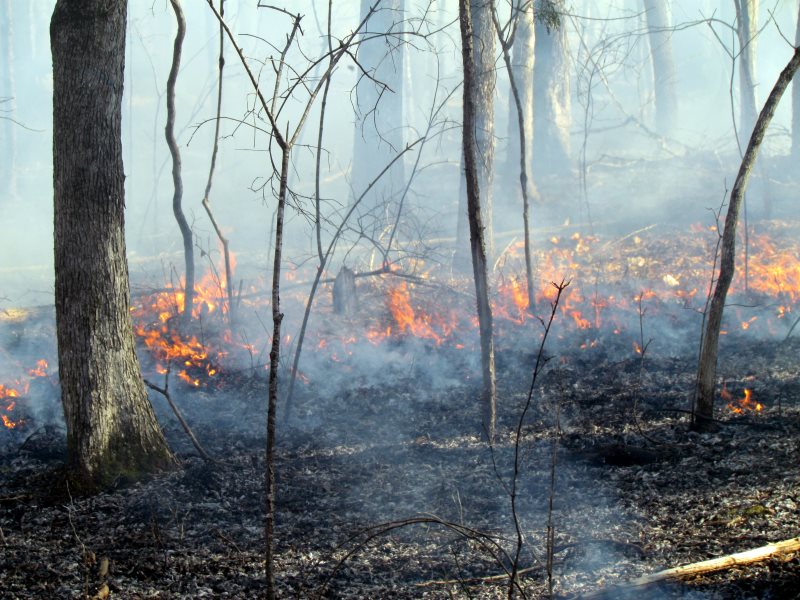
(386, 489)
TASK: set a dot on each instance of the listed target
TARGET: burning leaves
(11, 394)
(745, 404)
(602, 303)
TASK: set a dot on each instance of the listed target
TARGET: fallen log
(729, 561)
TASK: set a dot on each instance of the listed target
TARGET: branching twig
(540, 363)
(165, 392)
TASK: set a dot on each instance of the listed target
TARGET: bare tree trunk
(177, 197)
(379, 96)
(483, 51)
(796, 105)
(112, 431)
(471, 172)
(707, 365)
(747, 28)
(666, 96)
(520, 76)
(552, 102)
(274, 365)
(521, 73)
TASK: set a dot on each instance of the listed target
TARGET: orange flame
(741, 405)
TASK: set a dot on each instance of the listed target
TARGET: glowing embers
(745, 404)
(11, 394)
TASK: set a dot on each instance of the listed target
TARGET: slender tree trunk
(521, 73)
(274, 365)
(796, 105)
(483, 58)
(520, 76)
(379, 95)
(707, 365)
(112, 431)
(472, 169)
(666, 95)
(483, 51)
(747, 27)
(552, 102)
(177, 197)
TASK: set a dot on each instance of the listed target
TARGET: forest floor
(386, 490)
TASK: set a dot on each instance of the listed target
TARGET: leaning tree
(112, 431)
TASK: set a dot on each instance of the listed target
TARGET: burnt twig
(165, 392)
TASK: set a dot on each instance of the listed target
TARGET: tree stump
(345, 301)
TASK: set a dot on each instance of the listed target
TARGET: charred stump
(345, 300)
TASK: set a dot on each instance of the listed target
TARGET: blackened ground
(634, 490)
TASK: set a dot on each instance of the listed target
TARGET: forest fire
(618, 286)
(196, 359)
(741, 405)
(12, 393)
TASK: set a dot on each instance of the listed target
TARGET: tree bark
(483, 59)
(112, 431)
(552, 102)
(796, 104)
(471, 148)
(177, 196)
(707, 365)
(379, 96)
(666, 96)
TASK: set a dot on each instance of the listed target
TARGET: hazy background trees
(702, 73)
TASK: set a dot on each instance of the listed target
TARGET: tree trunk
(177, 196)
(112, 431)
(379, 97)
(707, 365)
(520, 77)
(747, 27)
(552, 103)
(522, 66)
(796, 105)
(666, 96)
(472, 169)
(483, 59)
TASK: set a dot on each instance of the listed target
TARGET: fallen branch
(165, 392)
(707, 566)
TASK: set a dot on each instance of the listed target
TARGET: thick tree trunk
(379, 96)
(472, 169)
(112, 431)
(552, 103)
(666, 96)
(707, 365)
(747, 27)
